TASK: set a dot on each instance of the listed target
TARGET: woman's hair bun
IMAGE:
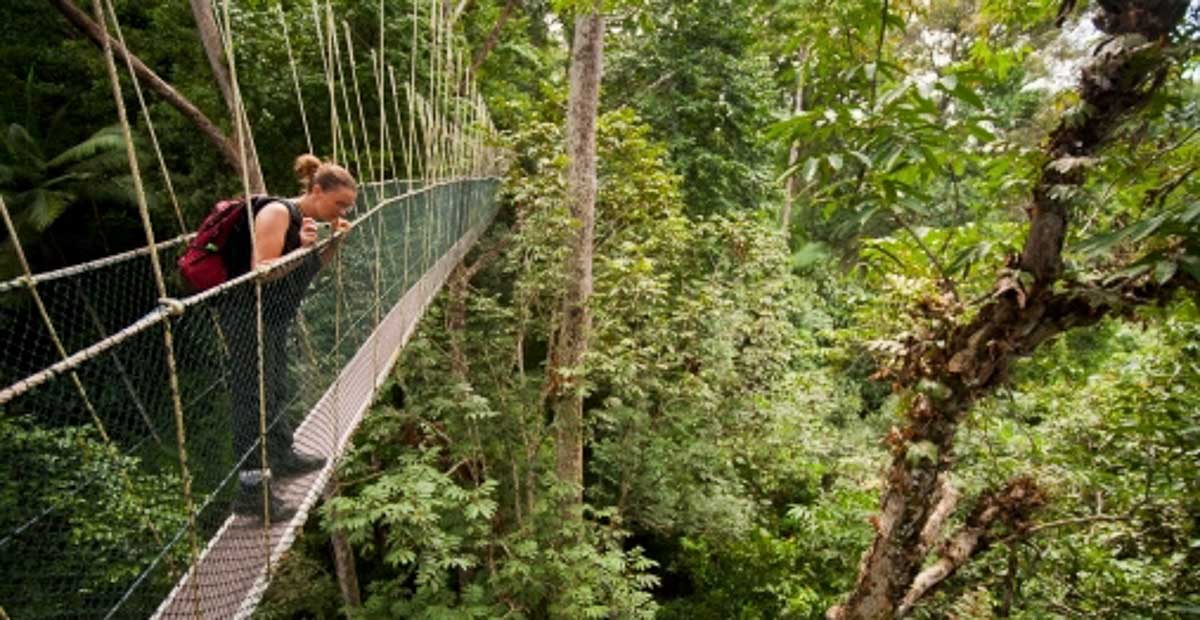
(311, 171)
(306, 167)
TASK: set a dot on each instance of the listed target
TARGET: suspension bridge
(115, 381)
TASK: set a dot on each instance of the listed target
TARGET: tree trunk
(210, 38)
(785, 218)
(571, 343)
(1022, 313)
(207, 128)
(343, 557)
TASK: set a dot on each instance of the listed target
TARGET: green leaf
(1190, 265)
(980, 133)
(46, 207)
(810, 169)
(964, 93)
(1164, 271)
(105, 141)
(1191, 215)
(835, 162)
(21, 145)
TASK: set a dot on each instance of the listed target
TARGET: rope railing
(139, 414)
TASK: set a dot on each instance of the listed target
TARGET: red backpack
(202, 264)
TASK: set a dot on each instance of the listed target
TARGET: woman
(281, 226)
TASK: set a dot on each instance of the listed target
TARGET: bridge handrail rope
(458, 176)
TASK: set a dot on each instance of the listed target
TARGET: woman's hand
(338, 228)
(341, 225)
(308, 232)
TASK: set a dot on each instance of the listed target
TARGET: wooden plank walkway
(232, 573)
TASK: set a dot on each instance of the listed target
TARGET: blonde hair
(312, 171)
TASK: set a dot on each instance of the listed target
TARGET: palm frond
(45, 208)
(66, 179)
(21, 146)
(103, 142)
(117, 191)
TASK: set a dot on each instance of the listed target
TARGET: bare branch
(947, 500)
(493, 36)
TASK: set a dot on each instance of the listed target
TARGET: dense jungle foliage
(747, 384)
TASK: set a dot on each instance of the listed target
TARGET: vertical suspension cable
(323, 47)
(362, 117)
(428, 143)
(301, 322)
(434, 168)
(331, 29)
(435, 101)
(433, 46)
(378, 67)
(459, 88)
(386, 156)
(168, 337)
(409, 171)
(446, 98)
(387, 153)
(287, 41)
(459, 123)
(376, 64)
(443, 115)
(400, 128)
(264, 461)
(137, 88)
(434, 92)
(476, 130)
(412, 88)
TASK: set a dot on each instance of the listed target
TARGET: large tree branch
(493, 36)
(210, 39)
(207, 128)
(487, 257)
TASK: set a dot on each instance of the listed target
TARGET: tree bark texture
(207, 128)
(343, 557)
(210, 39)
(571, 342)
(1029, 305)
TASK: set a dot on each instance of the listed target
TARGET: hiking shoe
(291, 464)
(249, 503)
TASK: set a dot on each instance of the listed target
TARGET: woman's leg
(238, 322)
(279, 434)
